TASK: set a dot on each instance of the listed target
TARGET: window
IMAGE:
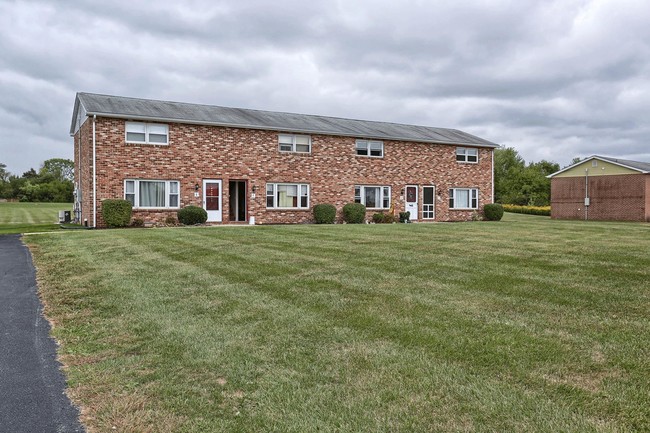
(148, 133)
(370, 148)
(466, 154)
(152, 193)
(463, 198)
(374, 197)
(294, 143)
(287, 196)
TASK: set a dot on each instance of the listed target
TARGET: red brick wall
(197, 152)
(616, 197)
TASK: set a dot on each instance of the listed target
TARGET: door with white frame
(412, 201)
(212, 199)
(429, 202)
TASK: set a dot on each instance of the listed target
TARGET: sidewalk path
(32, 398)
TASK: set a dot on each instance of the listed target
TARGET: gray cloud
(554, 79)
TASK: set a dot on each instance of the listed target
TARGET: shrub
(389, 218)
(116, 212)
(531, 210)
(378, 218)
(137, 222)
(191, 215)
(493, 212)
(354, 213)
(324, 213)
(404, 217)
(170, 221)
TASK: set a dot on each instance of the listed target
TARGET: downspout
(492, 175)
(94, 175)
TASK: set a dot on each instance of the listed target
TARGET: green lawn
(526, 325)
(30, 217)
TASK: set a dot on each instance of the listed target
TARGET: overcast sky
(553, 79)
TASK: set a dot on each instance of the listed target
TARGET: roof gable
(616, 166)
(88, 104)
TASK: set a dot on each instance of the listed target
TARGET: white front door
(412, 201)
(212, 199)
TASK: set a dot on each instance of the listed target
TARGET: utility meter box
(586, 201)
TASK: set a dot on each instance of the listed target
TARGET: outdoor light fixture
(196, 187)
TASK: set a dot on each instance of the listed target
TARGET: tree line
(516, 182)
(52, 183)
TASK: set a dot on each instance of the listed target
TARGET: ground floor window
(463, 198)
(152, 193)
(287, 196)
(373, 197)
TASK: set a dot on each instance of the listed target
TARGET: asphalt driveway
(32, 397)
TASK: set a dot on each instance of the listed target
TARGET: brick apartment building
(250, 166)
(602, 188)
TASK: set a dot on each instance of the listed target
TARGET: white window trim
(146, 133)
(275, 195)
(464, 151)
(367, 145)
(136, 193)
(293, 143)
(471, 192)
(362, 198)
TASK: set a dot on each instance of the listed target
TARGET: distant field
(30, 217)
(523, 325)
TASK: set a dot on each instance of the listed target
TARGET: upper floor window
(373, 197)
(370, 148)
(466, 154)
(287, 195)
(152, 193)
(463, 198)
(294, 143)
(148, 133)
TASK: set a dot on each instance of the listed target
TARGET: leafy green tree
(508, 176)
(521, 184)
(4, 174)
(59, 168)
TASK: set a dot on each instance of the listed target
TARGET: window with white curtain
(152, 193)
(463, 198)
(287, 195)
(375, 197)
(147, 133)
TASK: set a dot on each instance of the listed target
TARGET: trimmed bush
(378, 218)
(493, 212)
(116, 212)
(354, 213)
(530, 210)
(389, 218)
(405, 217)
(324, 213)
(137, 222)
(170, 221)
(191, 215)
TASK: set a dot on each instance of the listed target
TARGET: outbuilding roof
(89, 104)
(642, 167)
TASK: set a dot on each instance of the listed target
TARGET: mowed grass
(526, 325)
(30, 217)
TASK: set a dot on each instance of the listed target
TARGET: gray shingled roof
(643, 166)
(147, 109)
